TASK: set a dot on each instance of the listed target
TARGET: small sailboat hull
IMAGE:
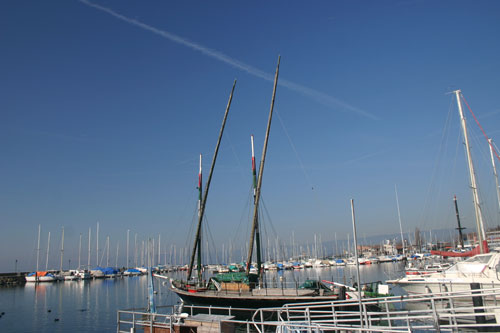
(40, 277)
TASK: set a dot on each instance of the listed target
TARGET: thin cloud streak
(319, 97)
(364, 157)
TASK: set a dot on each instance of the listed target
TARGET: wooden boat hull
(275, 298)
(245, 305)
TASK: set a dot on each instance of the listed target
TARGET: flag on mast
(199, 189)
(254, 172)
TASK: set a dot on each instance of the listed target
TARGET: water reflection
(91, 305)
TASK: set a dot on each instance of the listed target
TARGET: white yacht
(480, 269)
(84, 274)
(483, 269)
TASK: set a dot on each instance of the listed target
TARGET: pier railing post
(308, 316)
(477, 302)
(435, 316)
(388, 315)
(262, 319)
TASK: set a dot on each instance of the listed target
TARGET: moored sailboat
(247, 289)
(38, 276)
(481, 269)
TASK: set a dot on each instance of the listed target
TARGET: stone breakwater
(12, 279)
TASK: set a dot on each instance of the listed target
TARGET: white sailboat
(84, 274)
(482, 269)
(38, 276)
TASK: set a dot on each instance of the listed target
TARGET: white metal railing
(139, 320)
(446, 311)
(449, 311)
(131, 321)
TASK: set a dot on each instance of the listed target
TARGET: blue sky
(106, 105)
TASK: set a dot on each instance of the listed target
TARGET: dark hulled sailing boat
(245, 289)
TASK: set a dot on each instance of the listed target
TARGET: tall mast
(254, 181)
(200, 191)
(116, 258)
(80, 251)
(159, 249)
(107, 251)
(197, 241)
(142, 254)
(399, 217)
(494, 172)
(356, 258)
(336, 246)
(38, 250)
(255, 234)
(135, 250)
(97, 245)
(62, 250)
(315, 251)
(153, 252)
(151, 299)
(475, 196)
(128, 239)
(47, 254)
(88, 257)
(460, 228)
(254, 172)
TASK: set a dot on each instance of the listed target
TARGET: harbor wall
(12, 279)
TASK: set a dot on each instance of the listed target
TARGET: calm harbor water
(91, 306)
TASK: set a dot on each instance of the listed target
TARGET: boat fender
(179, 317)
(182, 315)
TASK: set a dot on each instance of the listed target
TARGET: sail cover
(473, 252)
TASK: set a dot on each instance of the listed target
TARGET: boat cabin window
(479, 259)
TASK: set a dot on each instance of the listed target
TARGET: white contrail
(319, 97)
(366, 156)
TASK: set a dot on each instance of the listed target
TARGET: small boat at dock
(41, 277)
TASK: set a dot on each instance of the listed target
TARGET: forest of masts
(92, 253)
